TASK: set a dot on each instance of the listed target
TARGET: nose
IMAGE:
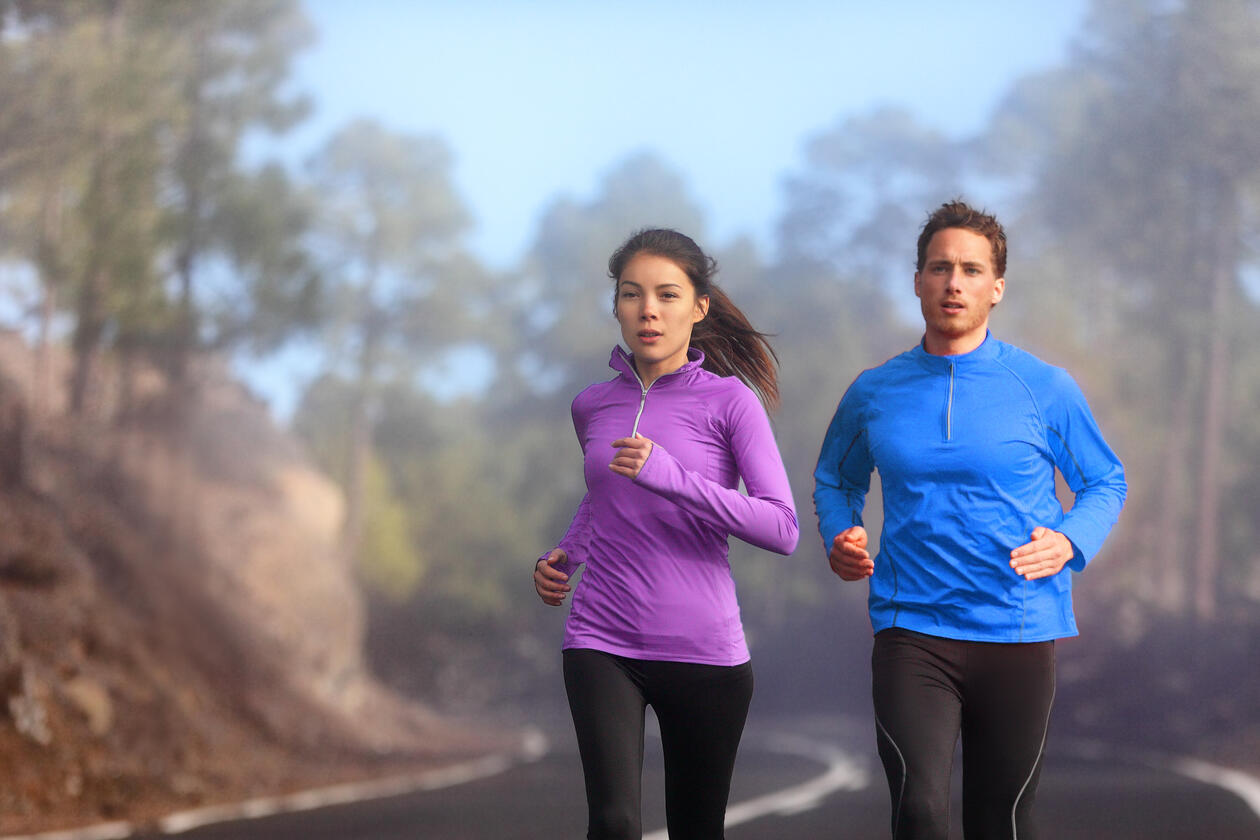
(648, 310)
(954, 280)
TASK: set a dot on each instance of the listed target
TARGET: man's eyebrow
(946, 261)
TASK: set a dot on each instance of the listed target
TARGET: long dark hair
(731, 346)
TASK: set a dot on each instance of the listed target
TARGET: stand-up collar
(987, 350)
(623, 363)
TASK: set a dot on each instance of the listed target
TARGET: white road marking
(101, 831)
(1245, 786)
(1238, 782)
(842, 772)
(533, 746)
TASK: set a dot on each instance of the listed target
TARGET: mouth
(953, 307)
(648, 336)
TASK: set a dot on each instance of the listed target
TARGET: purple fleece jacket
(657, 583)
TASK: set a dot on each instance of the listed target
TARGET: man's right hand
(550, 582)
(848, 556)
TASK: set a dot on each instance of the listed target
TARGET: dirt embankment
(177, 624)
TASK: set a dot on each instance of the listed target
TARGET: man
(969, 589)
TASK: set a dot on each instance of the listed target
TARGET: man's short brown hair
(959, 214)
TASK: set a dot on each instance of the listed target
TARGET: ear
(702, 309)
(917, 287)
(999, 289)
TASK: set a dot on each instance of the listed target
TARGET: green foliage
(262, 219)
(475, 497)
(1142, 193)
(390, 563)
(386, 241)
(1128, 177)
(322, 421)
(120, 175)
(563, 307)
(229, 67)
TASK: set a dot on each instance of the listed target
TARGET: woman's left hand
(632, 454)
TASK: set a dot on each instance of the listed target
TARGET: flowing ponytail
(730, 343)
(732, 347)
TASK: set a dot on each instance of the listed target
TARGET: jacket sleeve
(576, 540)
(1090, 468)
(766, 516)
(843, 475)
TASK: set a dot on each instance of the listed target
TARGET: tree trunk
(52, 279)
(90, 324)
(88, 332)
(193, 165)
(1169, 572)
(1224, 253)
(362, 416)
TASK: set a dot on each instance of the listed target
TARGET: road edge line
(1241, 783)
(533, 746)
(842, 772)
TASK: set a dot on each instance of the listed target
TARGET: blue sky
(538, 99)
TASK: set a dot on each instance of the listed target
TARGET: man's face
(956, 289)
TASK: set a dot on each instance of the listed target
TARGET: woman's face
(656, 308)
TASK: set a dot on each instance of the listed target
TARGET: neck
(945, 345)
(649, 372)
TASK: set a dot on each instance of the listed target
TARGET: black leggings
(927, 690)
(701, 710)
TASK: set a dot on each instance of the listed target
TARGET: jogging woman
(655, 619)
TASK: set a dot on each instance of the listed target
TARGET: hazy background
(545, 100)
(392, 220)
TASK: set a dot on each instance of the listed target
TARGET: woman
(655, 620)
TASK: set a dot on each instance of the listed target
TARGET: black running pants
(927, 691)
(701, 710)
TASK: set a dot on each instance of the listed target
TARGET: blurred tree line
(1127, 179)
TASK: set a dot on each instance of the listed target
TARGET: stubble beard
(956, 327)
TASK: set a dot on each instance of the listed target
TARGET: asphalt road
(820, 781)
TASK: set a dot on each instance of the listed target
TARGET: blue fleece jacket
(966, 447)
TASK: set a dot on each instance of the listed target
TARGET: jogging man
(969, 589)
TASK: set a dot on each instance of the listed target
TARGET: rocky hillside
(177, 626)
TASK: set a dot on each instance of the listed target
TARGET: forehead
(653, 270)
(959, 245)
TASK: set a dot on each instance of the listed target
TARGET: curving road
(818, 779)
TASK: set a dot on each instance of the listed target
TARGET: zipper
(643, 392)
(642, 403)
(949, 407)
